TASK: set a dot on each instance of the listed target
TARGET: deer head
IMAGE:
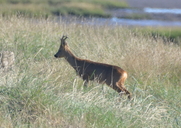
(61, 52)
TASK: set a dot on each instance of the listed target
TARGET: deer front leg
(85, 79)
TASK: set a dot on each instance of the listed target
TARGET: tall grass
(41, 91)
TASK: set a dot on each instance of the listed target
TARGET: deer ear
(63, 40)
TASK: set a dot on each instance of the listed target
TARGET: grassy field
(44, 92)
(59, 7)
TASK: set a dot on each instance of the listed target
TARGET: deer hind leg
(120, 85)
(123, 89)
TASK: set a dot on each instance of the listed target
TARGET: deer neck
(72, 60)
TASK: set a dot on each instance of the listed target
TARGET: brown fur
(112, 75)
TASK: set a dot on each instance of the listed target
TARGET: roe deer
(112, 75)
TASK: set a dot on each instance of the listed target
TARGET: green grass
(59, 7)
(168, 34)
(41, 91)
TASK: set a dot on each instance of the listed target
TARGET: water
(133, 22)
(124, 22)
(162, 10)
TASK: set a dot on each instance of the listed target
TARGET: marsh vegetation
(46, 8)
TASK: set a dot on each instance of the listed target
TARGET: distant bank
(154, 3)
